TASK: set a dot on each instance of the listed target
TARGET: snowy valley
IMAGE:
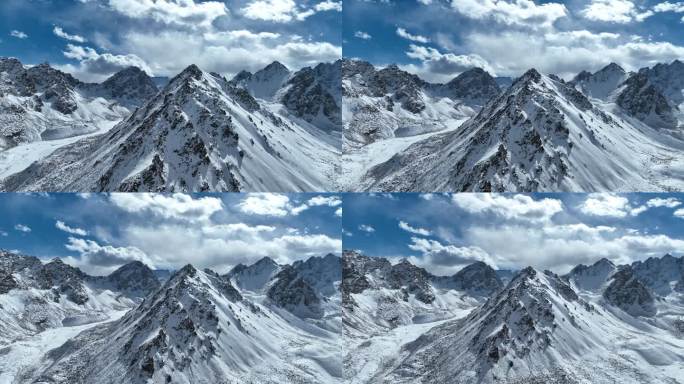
(262, 323)
(274, 130)
(605, 131)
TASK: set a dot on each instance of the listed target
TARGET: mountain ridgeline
(274, 130)
(602, 131)
(193, 326)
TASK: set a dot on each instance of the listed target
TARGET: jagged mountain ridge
(541, 327)
(200, 133)
(198, 326)
(541, 134)
(43, 103)
(622, 122)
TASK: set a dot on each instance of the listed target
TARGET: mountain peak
(612, 67)
(276, 66)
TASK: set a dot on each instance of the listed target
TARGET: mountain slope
(198, 134)
(541, 134)
(196, 328)
(536, 330)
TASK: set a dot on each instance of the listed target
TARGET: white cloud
(511, 12)
(366, 228)
(182, 12)
(518, 207)
(96, 66)
(267, 204)
(338, 212)
(614, 11)
(443, 259)
(22, 228)
(415, 230)
(669, 7)
(58, 31)
(177, 206)
(679, 213)
(103, 259)
(401, 32)
(611, 205)
(669, 202)
(362, 35)
(227, 52)
(73, 230)
(4, 234)
(441, 67)
(285, 11)
(18, 34)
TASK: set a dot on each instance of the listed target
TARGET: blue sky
(100, 232)
(443, 233)
(444, 37)
(99, 37)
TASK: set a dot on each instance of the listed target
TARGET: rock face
(474, 86)
(254, 277)
(600, 84)
(131, 87)
(593, 277)
(663, 275)
(134, 278)
(477, 279)
(304, 287)
(645, 102)
(199, 134)
(265, 83)
(628, 293)
(315, 95)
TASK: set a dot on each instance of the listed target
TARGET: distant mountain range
(262, 323)
(604, 131)
(274, 130)
(602, 323)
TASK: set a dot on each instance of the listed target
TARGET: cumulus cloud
(59, 32)
(338, 212)
(447, 259)
(517, 207)
(285, 11)
(366, 228)
(267, 204)
(22, 228)
(415, 230)
(441, 67)
(401, 32)
(18, 34)
(183, 12)
(62, 226)
(611, 205)
(94, 66)
(176, 206)
(615, 11)
(103, 259)
(362, 35)
(511, 12)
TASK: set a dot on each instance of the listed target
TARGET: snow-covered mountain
(42, 103)
(541, 134)
(605, 131)
(36, 296)
(196, 327)
(598, 324)
(386, 110)
(200, 133)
